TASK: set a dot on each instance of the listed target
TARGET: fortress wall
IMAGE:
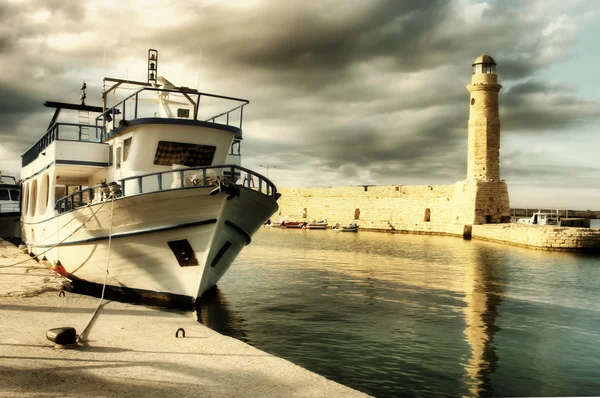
(381, 207)
(540, 237)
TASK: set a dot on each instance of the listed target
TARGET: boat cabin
(141, 129)
(9, 195)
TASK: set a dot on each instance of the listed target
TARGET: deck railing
(186, 178)
(61, 132)
(132, 107)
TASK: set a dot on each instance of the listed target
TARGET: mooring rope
(83, 336)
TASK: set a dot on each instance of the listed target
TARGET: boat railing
(135, 107)
(220, 176)
(61, 132)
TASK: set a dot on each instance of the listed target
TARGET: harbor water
(413, 315)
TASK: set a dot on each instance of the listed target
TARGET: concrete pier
(132, 350)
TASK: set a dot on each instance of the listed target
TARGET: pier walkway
(132, 350)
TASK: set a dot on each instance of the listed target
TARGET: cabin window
(15, 195)
(44, 187)
(192, 155)
(126, 145)
(110, 155)
(427, 217)
(48, 196)
(4, 194)
(118, 158)
(235, 148)
(34, 192)
(25, 199)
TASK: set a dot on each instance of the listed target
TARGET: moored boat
(352, 227)
(555, 219)
(155, 195)
(320, 224)
(293, 224)
(10, 211)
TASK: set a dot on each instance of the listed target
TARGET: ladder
(84, 131)
(84, 117)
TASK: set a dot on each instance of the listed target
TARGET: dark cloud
(367, 89)
(537, 106)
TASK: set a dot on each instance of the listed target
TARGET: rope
(71, 234)
(58, 230)
(83, 336)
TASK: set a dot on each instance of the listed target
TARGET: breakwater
(427, 210)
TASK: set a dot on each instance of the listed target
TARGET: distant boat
(546, 218)
(10, 209)
(293, 224)
(352, 227)
(321, 224)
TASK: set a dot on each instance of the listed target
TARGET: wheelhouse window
(192, 155)
(235, 148)
(126, 145)
(4, 194)
(14, 195)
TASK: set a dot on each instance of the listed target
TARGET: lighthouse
(484, 195)
(483, 162)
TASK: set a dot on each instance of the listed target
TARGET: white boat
(551, 218)
(352, 227)
(9, 207)
(156, 195)
(318, 224)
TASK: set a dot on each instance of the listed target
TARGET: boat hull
(176, 242)
(10, 225)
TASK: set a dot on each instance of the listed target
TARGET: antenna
(152, 66)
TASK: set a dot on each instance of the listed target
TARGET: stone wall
(430, 210)
(540, 237)
(418, 208)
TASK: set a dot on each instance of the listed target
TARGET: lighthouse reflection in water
(411, 315)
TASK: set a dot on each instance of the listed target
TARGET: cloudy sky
(341, 92)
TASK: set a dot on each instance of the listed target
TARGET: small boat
(550, 218)
(321, 224)
(10, 210)
(156, 169)
(352, 227)
(293, 224)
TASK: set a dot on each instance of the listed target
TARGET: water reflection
(214, 311)
(407, 315)
(483, 295)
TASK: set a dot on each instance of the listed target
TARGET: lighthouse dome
(484, 64)
(484, 59)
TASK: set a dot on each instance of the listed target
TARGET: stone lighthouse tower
(484, 194)
(483, 162)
